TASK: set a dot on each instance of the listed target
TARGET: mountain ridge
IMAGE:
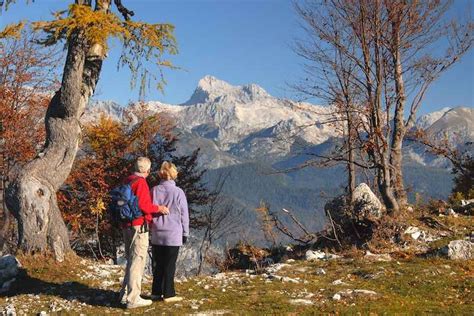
(243, 123)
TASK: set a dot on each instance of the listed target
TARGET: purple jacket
(168, 230)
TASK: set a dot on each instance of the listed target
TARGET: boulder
(366, 206)
(459, 250)
(9, 269)
(366, 202)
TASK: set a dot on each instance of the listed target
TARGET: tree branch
(126, 13)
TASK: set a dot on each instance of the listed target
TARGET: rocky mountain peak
(210, 88)
(211, 84)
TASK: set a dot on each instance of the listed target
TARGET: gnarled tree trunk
(32, 195)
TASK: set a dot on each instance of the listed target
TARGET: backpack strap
(134, 180)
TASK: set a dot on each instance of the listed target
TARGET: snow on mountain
(210, 89)
(457, 124)
(98, 108)
(242, 121)
(427, 120)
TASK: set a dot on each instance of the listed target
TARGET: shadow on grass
(83, 293)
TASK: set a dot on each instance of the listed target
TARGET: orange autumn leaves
(27, 80)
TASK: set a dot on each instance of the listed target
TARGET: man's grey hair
(143, 164)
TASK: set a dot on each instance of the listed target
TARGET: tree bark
(351, 172)
(32, 195)
(385, 172)
(398, 120)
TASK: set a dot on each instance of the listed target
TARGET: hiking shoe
(156, 297)
(122, 298)
(140, 302)
(173, 299)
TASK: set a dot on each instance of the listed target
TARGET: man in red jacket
(135, 235)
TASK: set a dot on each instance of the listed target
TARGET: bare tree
(375, 58)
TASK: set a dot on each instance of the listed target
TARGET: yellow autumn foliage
(106, 136)
(99, 26)
(12, 30)
(96, 26)
(142, 42)
(99, 207)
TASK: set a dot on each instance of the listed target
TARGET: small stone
(290, 280)
(385, 257)
(300, 301)
(337, 297)
(414, 232)
(9, 310)
(338, 282)
(320, 271)
(206, 287)
(451, 212)
(219, 276)
(365, 292)
(314, 255)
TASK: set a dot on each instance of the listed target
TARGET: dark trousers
(164, 268)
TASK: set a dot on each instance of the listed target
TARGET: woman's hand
(163, 209)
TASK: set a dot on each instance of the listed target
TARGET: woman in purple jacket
(168, 233)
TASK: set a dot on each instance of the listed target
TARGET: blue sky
(239, 41)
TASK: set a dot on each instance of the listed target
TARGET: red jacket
(142, 191)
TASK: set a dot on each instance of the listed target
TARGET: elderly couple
(165, 212)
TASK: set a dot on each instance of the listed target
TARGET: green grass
(415, 286)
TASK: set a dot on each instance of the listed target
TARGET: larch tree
(86, 27)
